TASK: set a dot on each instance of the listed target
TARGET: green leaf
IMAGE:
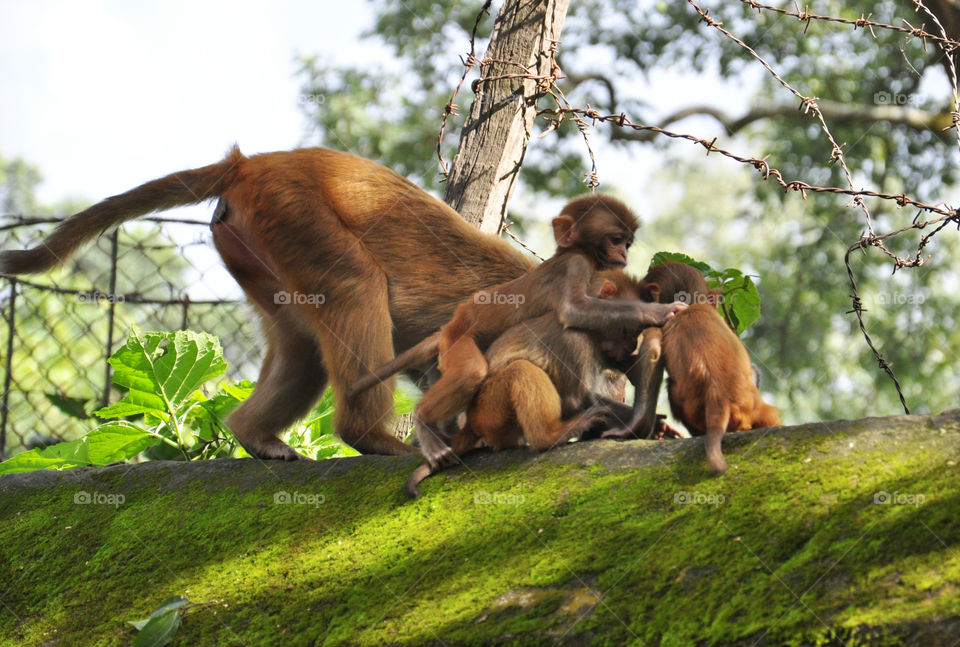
(667, 257)
(168, 606)
(741, 301)
(160, 371)
(116, 441)
(210, 413)
(239, 391)
(107, 444)
(159, 630)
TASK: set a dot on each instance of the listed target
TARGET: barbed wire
(948, 53)
(451, 108)
(857, 23)
(808, 104)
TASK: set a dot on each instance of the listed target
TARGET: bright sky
(105, 94)
(102, 95)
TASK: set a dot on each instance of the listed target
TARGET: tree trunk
(495, 135)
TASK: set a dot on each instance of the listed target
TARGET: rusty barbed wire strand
(807, 104)
(861, 22)
(505, 229)
(763, 167)
(948, 53)
(858, 311)
(451, 108)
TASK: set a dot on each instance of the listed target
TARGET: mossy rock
(840, 533)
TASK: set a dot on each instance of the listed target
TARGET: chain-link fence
(58, 329)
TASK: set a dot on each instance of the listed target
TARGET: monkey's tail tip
(26, 261)
(419, 474)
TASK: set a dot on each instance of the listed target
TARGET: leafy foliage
(167, 414)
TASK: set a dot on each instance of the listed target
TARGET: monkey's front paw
(440, 456)
(664, 431)
(274, 450)
(671, 309)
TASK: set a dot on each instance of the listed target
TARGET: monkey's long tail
(175, 190)
(416, 479)
(413, 356)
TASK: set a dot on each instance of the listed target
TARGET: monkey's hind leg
(716, 417)
(538, 408)
(291, 379)
(355, 333)
(463, 369)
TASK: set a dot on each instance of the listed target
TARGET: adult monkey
(307, 222)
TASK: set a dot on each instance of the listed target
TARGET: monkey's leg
(647, 376)
(337, 293)
(716, 418)
(351, 346)
(463, 369)
(538, 407)
(492, 415)
(291, 379)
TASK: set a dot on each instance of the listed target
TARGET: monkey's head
(676, 282)
(597, 226)
(617, 345)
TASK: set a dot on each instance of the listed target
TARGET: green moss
(789, 545)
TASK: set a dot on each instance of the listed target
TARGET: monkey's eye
(617, 240)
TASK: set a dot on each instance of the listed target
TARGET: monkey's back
(707, 366)
(317, 199)
(570, 357)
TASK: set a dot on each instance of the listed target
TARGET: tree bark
(495, 136)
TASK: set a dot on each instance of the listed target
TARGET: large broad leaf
(110, 443)
(741, 302)
(669, 257)
(160, 370)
